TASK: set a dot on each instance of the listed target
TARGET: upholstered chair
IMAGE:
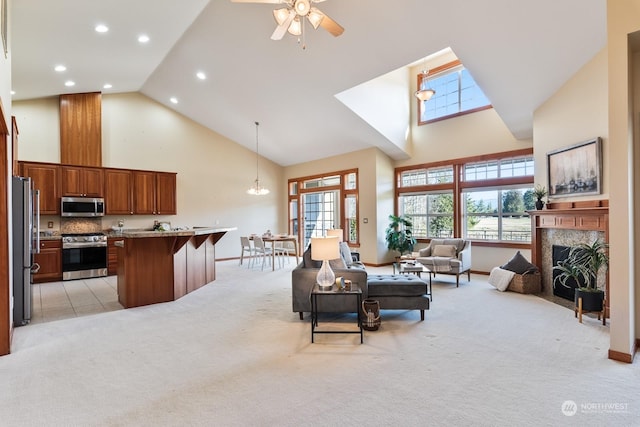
(447, 256)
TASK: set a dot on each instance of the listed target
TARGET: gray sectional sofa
(399, 292)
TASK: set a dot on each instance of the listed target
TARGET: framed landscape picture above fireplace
(575, 170)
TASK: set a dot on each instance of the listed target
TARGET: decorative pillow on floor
(445, 251)
(519, 265)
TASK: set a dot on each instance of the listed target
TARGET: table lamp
(323, 249)
(337, 232)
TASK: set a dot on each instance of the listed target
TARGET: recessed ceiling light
(60, 68)
(69, 83)
(143, 38)
(107, 86)
(13, 92)
(174, 100)
(102, 28)
(201, 75)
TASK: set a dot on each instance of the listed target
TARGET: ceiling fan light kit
(291, 18)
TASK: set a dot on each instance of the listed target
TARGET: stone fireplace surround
(566, 224)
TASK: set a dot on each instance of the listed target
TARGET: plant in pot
(399, 234)
(539, 191)
(583, 265)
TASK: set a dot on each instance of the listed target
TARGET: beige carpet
(233, 354)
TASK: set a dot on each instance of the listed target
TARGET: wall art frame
(575, 170)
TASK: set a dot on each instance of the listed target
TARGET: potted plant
(539, 191)
(399, 235)
(583, 265)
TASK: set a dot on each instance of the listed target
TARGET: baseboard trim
(624, 357)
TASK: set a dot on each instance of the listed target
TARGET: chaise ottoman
(399, 292)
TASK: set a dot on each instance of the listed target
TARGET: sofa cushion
(519, 265)
(380, 285)
(448, 251)
(307, 262)
(336, 264)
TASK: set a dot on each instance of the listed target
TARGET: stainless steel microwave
(82, 206)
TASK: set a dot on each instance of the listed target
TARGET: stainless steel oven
(84, 256)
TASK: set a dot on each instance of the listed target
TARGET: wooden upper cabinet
(154, 193)
(166, 193)
(46, 178)
(81, 129)
(118, 186)
(82, 182)
(144, 193)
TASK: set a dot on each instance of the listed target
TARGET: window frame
(459, 185)
(440, 72)
(296, 189)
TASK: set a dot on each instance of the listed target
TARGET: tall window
(482, 200)
(497, 214)
(320, 203)
(456, 93)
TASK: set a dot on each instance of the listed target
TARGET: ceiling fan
(291, 17)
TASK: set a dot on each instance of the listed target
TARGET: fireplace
(560, 253)
(565, 224)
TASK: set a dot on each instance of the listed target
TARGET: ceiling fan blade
(258, 1)
(332, 26)
(281, 30)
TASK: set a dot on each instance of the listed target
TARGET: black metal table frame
(333, 292)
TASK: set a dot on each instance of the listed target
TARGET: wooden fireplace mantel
(590, 215)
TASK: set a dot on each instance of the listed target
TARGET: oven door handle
(84, 245)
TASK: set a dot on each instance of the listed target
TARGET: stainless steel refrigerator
(26, 242)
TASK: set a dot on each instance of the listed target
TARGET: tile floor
(74, 298)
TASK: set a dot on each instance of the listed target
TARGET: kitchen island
(162, 266)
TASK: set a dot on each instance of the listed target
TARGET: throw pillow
(445, 251)
(345, 252)
(519, 265)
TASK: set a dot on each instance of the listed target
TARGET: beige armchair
(447, 256)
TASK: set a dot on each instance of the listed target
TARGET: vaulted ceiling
(519, 53)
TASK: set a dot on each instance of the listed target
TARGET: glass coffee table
(350, 291)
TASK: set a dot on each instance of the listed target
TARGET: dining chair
(284, 250)
(260, 250)
(246, 247)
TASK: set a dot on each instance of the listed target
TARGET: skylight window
(456, 94)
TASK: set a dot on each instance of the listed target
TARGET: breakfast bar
(162, 266)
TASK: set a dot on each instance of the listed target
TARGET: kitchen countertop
(195, 231)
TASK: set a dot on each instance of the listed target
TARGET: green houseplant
(583, 265)
(539, 192)
(399, 234)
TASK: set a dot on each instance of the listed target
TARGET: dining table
(273, 239)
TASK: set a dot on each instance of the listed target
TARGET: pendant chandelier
(257, 189)
(425, 94)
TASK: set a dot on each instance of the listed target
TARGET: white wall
(576, 112)
(138, 133)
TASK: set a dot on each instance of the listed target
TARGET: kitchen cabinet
(112, 256)
(46, 178)
(50, 261)
(82, 182)
(81, 129)
(154, 193)
(118, 195)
